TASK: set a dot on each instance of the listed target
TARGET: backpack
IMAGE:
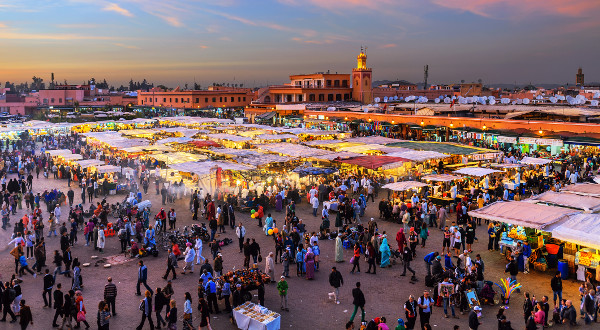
(122, 233)
(143, 305)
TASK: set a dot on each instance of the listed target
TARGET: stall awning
(108, 169)
(404, 185)
(177, 157)
(89, 162)
(336, 155)
(375, 162)
(582, 229)
(203, 143)
(590, 189)
(71, 156)
(535, 161)
(229, 137)
(59, 152)
(292, 150)
(174, 140)
(419, 156)
(441, 177)
(372, 140)
(276, 137)
(586, 203)
(525, 214)
(475, 171)
(266, 115)
(508, 166)
(442, 147)
(203, 168)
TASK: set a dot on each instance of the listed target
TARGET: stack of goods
(246, 277)
(587, 258)
(257, 312)
(518, 233)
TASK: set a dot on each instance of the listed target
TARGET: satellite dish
(447, 100)
(437, 101)
(469, 99)
(385, 99)
(376, 100)
(519, 101)
(492, 102)
(395, 98)
(594, 103)
(525, 101)
(597, 95)
(553, 100)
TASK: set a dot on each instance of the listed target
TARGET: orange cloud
(389, 46)
(119, 10)
(342, 4)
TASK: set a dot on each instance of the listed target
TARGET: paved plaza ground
(308, 300)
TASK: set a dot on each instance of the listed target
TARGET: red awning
(373, 162)
(204, 143)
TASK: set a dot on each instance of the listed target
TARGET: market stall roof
(108, 169)
(327, 143)
(263, 159)
(292, 150)
(127, 143)
(590, 189)
(187, 132)
(228, 137)
(138, 132)
(204, 143)
(535, 161)
(363, 148)
(187, 120)
(203, 168)
(315, 132)
(442, 147)
(59, 152)
(586, 203)
(71, 156)
(582, 229)
(441, 177)
(276, 136)
(375, 162)
(149, 149)
(419, 155)
(404, 185)
(336, 155)
(235, 152)
(85, 163)
(177, 157)
(522, 213)
(373, 140)
(174, 140)
(506, 165)
(476, 171)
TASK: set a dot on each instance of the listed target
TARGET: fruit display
(246, 277)
(517, 232)
(587, 258)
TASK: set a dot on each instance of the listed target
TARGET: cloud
(78, 26)
(2, 25)
(522, 9)
(171, 20)
(203, 46)
(389, 46)
(118, 44)
(117, 9)
(265, 24)
(342, 4)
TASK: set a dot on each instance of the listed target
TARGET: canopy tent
(149, 149)
(375, 162)
(508, 166)
(442, 147)
(263, 159)
(108, 169)
(535, 161)
(580, 229)
(328, 143)
(314, 132)
(126, 143)
(187, 120)
(363, 148)
(522, 213)
(404, 185)
(441, 177)
(138, 132)
(589, 189)
(203, 168)
(203, 143)
(276, 137)
(372, 140)
(174, 140)
(292, 150)
(177, 157)
(336, 155)
(309, 170)
(235, 152)
(89, 162)
(186, 132)
(59, 152)
(71, 156)
(586, 203)
(418, 155)
(476, 171)
(228, 137)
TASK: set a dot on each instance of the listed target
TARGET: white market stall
(476, 171)
(522, 213)
(404, 185)
(535, 161)
(588, 189)
(589, 204)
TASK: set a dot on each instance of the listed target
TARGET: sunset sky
(261, 42)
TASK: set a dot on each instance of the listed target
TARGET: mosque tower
(361, 79)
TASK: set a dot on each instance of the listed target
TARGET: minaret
(579, 81)
(361, 79)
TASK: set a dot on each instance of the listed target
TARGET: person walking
(407, 256)
(410, 310)
(146, 308)
(48, 285)
(110, 295)
(171, 265)
(336, 281)
(103, 317)
(26, 318)
(513, 269)
(240, 232)
(211, 293)
(358, 302)
(371, 258)
(81, 312)
(187, 312)
(172, 315)
(474, 318)
(282, 288)
(204, 314)
(446, 297)
(159, 302)
(142, 278)
(425, 307)
(356, 259)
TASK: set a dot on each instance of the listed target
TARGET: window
(311, 97)
(177, 100)
(329, 97)
(299, 98)
(328, 83)
(344, 83)
(244, 99)
(321, 97)
(52, 100)
(60, 100)
(156, 99)
(197, 100)
(338, 97)
(206, 99)
(232, 99)
(366, 83)
(214, 99)
(346, 97)
(170, 100)
(336, 83)
(221, 99)
(164, 99)
(239, 99)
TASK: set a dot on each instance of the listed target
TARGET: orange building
(225, 97)
(362, 77)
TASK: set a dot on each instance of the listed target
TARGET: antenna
(426, 74)
(366, 50)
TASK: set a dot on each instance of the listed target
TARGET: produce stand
(249, 316)
(247, 278)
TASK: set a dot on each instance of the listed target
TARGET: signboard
(540, 141)
(507, 139)
(485, 156)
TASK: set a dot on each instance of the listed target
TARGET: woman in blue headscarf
(384, 248)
